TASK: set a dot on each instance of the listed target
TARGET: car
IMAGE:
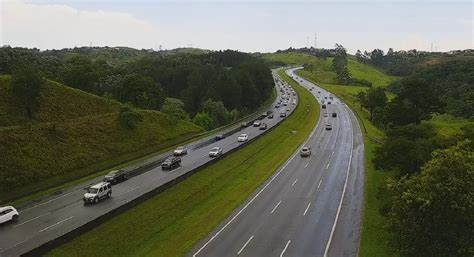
(270, 116)
(323, 106)
(285, 103)
(219, 137)
(282, 114)
(325, 97)
(269, 112)
(263, 126)
(329, 102)
(331, 97)
(277, 106)
(288, 109)
(171, 163)
(305, 151)
(215, 151)
(116, 176)
(8, 213)
(180, 151)
(242, 138)
(319, 92)
(264, 115)
(256, 123)
(98, 192)
(244, 124)
(328, 127)
(334, 114)
(294, 102)
(325, 114)
(311, 89)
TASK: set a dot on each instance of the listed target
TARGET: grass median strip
(171, 223)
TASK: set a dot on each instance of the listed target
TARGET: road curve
(59, 214)
(312, 206)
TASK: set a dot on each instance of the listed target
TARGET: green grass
(171, 223)
(448, 126)
(375, 240)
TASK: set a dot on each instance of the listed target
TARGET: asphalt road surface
(312, 206)
(58, 214)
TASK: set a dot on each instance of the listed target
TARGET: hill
(74, 134)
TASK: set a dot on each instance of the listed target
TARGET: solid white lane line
(128, 191)
(245, 245)
(54, 199)
(307, 208)
(255, 197)
(55, 224)
(284, 249)
(294, 182)
(35, 218)
(343, 194)
(276, 206)
(320, 182)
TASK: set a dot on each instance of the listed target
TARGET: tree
(373, 98)
(175, 110)
(406, 148)
(26, 86)
(432, 214)
(217, 111)
(204, 120)
(339, 64)
(141, 91)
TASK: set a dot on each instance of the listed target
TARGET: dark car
(263, 126)
(269, 112)
(328, 127)
(329, 102)
(270, 116)
(244, 124)
(334, 114)
(116, 176)
(323, 106)
(171, 163)
(220, 137)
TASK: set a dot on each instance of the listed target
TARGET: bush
(129, 118)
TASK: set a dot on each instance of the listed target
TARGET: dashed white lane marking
(35, 218)
(276, 206)
(306, 165)
(135, 188)
(284, 249)
(320, 182)
(245, 245)
(327, 166)
(15, 245)
(294, 182)
(55, 224)
(54, 199)
(307, 208)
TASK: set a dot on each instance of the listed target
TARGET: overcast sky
(251, 26)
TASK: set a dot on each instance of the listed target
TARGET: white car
(215, 151)
(8, 213)
(98, 192)
(243, 138)
(182, 150)
(256, 123)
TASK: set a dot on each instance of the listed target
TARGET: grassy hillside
(56, 103)
(200, 202)
(75, 134)
(368, 72)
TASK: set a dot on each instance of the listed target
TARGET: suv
(305, 151)
(215, 151)
(244, 124)
(8, 213)
(116, 176)
(242, 138)
(98, 192)
(171, 162)
(263, 126)
(219, 137)
(323, 106)
(182, 150)
(334, 114)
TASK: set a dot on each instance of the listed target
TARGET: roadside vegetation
(202, 201)
(415, 204)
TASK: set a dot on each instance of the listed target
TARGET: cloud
(47, 26)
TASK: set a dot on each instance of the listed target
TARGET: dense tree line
(429, 207)
(236, 81)
(339, 65)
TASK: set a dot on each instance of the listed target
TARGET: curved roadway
(312, 206)
(62, 213)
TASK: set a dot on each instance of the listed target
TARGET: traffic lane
(347, 233)
(312, 238)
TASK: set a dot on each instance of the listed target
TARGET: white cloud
(49, 26)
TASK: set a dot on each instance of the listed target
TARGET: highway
(59, 214)
(312, 206)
